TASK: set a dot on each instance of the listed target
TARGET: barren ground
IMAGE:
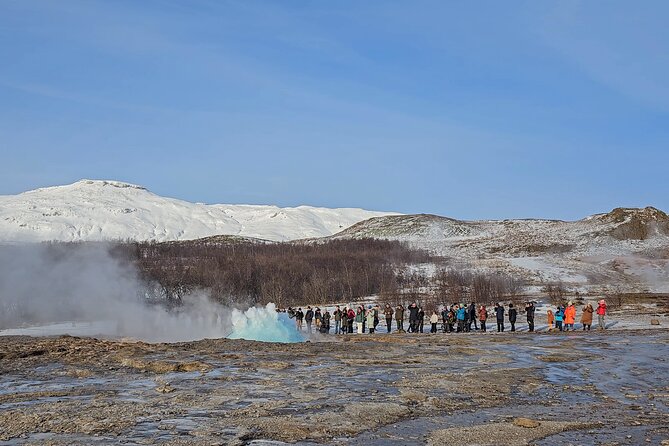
(572, 388)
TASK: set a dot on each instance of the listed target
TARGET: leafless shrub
(556, 292)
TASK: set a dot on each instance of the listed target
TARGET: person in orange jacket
(569, 316)
(550, 318)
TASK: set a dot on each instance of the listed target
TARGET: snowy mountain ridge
(626, 248)
(97, 210)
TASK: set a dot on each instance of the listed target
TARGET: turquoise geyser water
(264, 324)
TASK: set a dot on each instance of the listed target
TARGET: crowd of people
(456, 318)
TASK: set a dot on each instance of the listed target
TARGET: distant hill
(626, 249)
(95, 210)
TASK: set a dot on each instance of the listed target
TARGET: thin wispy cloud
(496, 110)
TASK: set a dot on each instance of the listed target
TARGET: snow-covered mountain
(94, 210)
(627, 249)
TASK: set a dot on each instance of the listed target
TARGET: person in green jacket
(399, 318)
(359, 319)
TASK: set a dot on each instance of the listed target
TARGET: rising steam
(47, 289)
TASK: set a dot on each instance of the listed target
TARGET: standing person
(550, 318)
(421, 319)
(499, 313)
(325, 322)
(569, 316)
(350, 317)
(364, 318)
(370, 319)
(468, 322)
(318, 317)
(513, 315)
(388, 313)
(413, 318)
(434, 320)
(472, 316)
(399, 318)
(601, 314)
(344, 320)
(376, 316)
(444, 319)
(299, 316)
(452, 319)
(359, 320)
(483, 316)
(308, 318)
(559, 318)
(337, 319)
(586, 317)
(460, 315)
(529, 310)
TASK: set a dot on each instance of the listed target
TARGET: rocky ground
(515, 389)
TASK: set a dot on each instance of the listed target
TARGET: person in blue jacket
(460, 316)
(499, 312)
(559, 317)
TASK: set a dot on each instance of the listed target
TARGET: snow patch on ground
(546, 271)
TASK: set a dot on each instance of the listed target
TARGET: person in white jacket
(434, 320)
(370, 319)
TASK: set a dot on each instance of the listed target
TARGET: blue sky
(482, 109)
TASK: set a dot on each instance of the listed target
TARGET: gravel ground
(398, 389)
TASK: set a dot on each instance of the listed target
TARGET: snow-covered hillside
(626, 249)
(112, 210)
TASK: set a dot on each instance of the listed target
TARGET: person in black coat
(308, 317)
(299, 317)
(499, 312)
(413, 318)
(325, 322)
(472, 316)
(513, 314)
(529, 309)
(444, 320)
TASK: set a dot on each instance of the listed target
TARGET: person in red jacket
(601, 313)
(483, 316)
(350, 317)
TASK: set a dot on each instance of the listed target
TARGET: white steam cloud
(50, 289)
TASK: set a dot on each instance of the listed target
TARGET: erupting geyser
(264, 324)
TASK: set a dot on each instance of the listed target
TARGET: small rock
(165, 388)
(654, 322)
(526, 422)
